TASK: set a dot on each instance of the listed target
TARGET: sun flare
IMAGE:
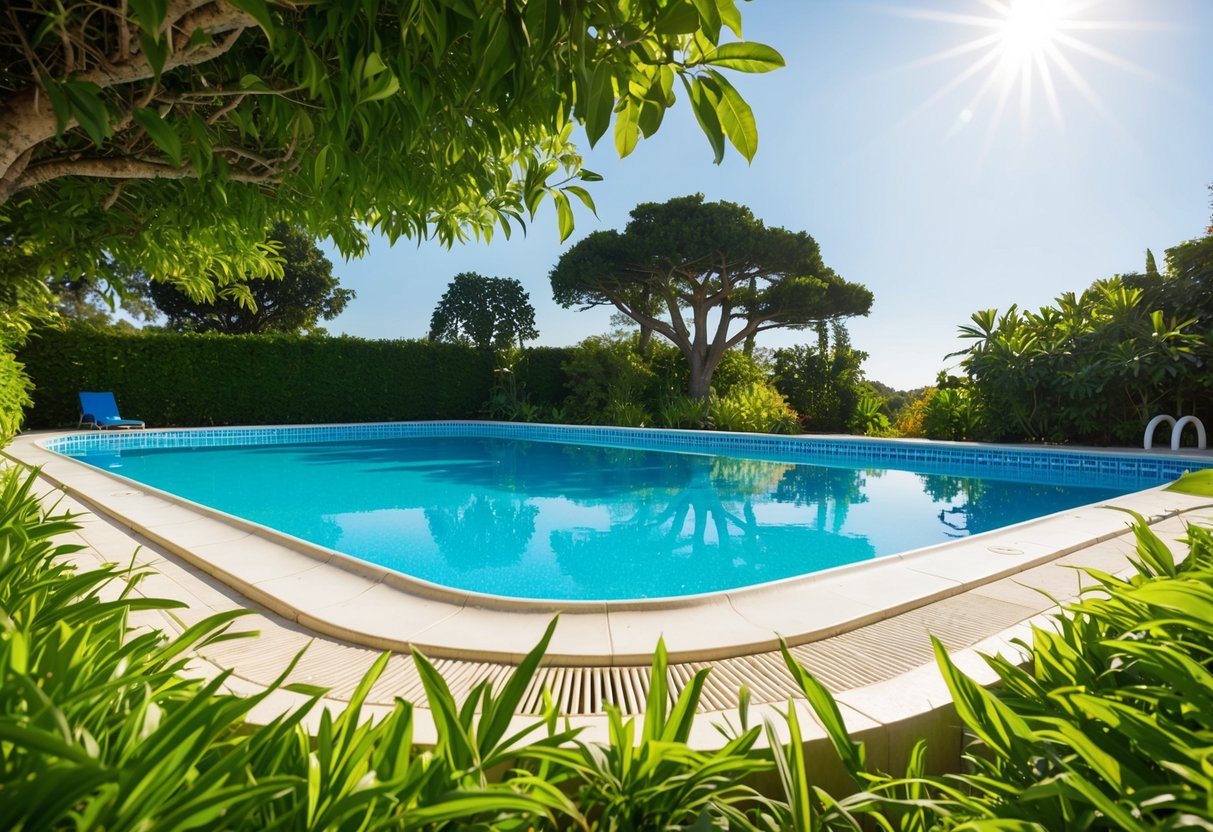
(1025, 49)
(1029, 29)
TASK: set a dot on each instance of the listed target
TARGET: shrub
(1092, 367)
(754, 408)
(541, 375)
(823, 383)
(685, 412)
(910, 417)
(602, 373)
(102, 729)
(15, 389)
(951, 413)
(869, 418)
(1106, 725)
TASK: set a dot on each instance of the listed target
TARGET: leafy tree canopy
(94, 298)
(170, 134)
(719, 275)
(306, 292)
(486, 312)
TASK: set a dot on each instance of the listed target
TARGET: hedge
(542, 377)
(170, 379)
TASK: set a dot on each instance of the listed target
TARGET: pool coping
(346, 598)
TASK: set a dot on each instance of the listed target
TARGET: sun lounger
(99, 410)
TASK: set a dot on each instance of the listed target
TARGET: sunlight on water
(545, 520)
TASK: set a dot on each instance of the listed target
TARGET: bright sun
(1029, 29)
(1024, 47)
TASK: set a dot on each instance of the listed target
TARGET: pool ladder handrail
(1177, 429)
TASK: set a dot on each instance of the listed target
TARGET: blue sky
(910, 178)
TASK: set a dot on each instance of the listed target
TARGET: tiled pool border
(1118, 462)
(334, 594)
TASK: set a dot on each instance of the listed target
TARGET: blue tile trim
(1075, 465)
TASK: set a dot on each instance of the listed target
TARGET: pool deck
(863, 629)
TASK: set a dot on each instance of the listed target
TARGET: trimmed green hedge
(170, 379)
(542, 377)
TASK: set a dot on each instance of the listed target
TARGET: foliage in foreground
(1107, 726)
(171, 135)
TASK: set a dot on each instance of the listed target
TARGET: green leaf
(44, 743)
(59, 102)
(260, 12)
(589, 176)
(849, 752)
(627, 128)
(1189, 598)
(703, 103)
(709, 18)
(18, 652)
(679, 18)
(89, 109)
(161, 132)
(149, 15)
(745, 57)
(503, 709)
(736, 117)
(372, 66)
(157, 53)
(601, 102)
(582, 194)
(564, 214)
(729, 15)
(999, 727)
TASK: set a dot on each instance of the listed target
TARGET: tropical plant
(508, 400)
(869, 417)
(701, 260)
(1093, 367)
(486, 312)
(653, 779)
(625, 413)
(685, 412)
(754, 408)
(1105, 725)
(306, 293)
(951, 413)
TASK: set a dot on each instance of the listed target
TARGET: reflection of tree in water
(825, 489)
(978, 505)
(708, 522)
(484, 532)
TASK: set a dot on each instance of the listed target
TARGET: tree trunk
(700, 386)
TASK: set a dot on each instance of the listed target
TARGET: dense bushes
(1097, 366)
(824, 383)
(15, 387)
(171, 379)
(1106, 726)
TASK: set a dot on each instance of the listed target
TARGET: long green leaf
(745, 57)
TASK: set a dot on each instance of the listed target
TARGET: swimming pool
(605, 514)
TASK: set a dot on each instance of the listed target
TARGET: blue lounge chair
(99, 410)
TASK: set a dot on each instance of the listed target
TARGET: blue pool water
(541, 519)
